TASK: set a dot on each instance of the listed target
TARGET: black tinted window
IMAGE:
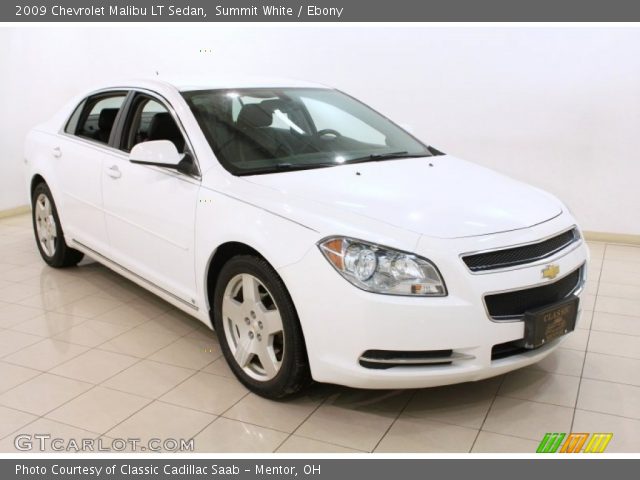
(150, 120)
(265, 130)
(72, 124)
(98, 116)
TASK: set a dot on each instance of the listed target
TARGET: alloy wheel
(253, 327)
(46, 225)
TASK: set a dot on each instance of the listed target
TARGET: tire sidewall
(293, 340)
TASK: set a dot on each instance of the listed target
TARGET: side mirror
(162, 153)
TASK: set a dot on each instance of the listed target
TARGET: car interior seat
(105, 124)
(255, 140)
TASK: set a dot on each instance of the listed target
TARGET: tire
(269, 363)
(48, 230)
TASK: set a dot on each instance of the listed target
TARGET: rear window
(72, 124)
(95, 117)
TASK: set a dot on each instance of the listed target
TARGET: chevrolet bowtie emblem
(551, 271)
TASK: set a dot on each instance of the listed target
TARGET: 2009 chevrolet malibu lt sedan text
(319, 239)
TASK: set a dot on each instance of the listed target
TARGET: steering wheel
(328, 131)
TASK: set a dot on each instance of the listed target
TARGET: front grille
(503, 306)
(511, 257)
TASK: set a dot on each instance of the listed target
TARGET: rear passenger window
(98, 117)
(72, 124)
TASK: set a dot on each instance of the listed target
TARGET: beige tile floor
(85, 353)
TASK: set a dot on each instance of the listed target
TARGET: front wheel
(258, 328)
(48, 230)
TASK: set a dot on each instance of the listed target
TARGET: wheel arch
(219, 257)
(36, 179)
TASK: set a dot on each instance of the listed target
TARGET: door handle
(57, 152)
(114, 172)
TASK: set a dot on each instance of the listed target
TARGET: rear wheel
(258, 328)
(48, 231)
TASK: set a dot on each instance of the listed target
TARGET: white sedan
(317, 237)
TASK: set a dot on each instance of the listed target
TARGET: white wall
(11, 194)
(557, 107)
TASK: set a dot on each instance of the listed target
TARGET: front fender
(221, 218)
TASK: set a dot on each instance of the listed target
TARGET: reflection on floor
(85, 353)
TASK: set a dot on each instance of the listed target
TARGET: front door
(150, 211)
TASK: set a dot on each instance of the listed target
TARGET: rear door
(84, 146)
(150, 211)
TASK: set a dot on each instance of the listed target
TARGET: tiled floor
(86, 354)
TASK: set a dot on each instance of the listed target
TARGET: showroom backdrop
(556, 107)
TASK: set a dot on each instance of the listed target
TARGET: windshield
(267, 130)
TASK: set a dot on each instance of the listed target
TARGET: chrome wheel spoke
(250, 293)
(232, 309)
(40, 209)
(46, 207)
(52, 227)
(49, 246)
(243, 353)
(268, 361)
(271, 321)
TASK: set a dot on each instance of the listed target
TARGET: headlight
(380, 269)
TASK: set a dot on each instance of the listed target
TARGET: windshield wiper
(290, 167)
(377, 157)
(286, 167)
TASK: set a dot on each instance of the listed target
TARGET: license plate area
(545, 324)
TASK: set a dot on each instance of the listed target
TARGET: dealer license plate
(545, 324)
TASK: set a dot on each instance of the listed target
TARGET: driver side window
(150, 120)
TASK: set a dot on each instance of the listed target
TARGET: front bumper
(341, 322)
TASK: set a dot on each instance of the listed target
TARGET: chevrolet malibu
(316, 237)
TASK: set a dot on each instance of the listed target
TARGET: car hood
(441, 196)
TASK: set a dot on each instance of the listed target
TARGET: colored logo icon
(574, 443)
(551, 271)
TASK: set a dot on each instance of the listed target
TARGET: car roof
(212, 82)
